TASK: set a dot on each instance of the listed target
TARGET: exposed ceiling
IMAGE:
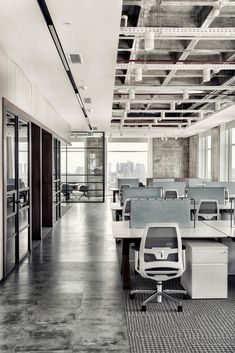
(86, 27)
(188, 76)
(186, 81)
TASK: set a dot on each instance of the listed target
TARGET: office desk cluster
(203, 231)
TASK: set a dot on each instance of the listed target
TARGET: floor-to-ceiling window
(127, 158)
(230, 154)
(82, 168)
(205, 154)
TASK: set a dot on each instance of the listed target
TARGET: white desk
(121, 230)
(116, 209)
(223, 227)
(128, 235)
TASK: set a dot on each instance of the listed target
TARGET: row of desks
(203, 230)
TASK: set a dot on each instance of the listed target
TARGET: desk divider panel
(160, 211)
(206, 193)
(178, 185)
(138, 193)
(230, 186)
(128, 181)
(193, 182)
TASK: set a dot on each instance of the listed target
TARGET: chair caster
(143, 308)
(180, 309)
(132, 296)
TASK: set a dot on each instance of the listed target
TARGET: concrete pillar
(194, 156)
(170, 158)
(215, 154)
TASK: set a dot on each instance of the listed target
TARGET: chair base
(158, 294)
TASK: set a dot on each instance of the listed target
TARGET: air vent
(87, 100)
(75, 58)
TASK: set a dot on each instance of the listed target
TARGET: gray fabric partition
(230, 186)
(193, 182)
(137, 193)
(160, 211)
(128, 181)
(178, 185)
(207, 193)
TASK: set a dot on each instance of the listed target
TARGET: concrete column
(215, 154)
(170, 158)
(194, 156)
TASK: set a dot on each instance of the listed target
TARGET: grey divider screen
(207, 193)
(193, 182)
(160, 211)
(128, 181)
(138, 193)
(178, 185)
(230, 186)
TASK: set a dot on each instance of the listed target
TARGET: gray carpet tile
(204, 326)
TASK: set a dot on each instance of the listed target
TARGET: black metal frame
(67, 200)
(19, 115)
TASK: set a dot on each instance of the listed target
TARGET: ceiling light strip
(178, 66)
(47, 17)
(173, 89)
(172, 31)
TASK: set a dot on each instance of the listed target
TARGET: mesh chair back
(171, 194)
(127, 209)
(160, 251)
(67, 188)
(208, 209)
(84, 188)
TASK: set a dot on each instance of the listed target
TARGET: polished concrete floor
(67, 296)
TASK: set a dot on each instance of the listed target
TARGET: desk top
(115, 206)
(121, 230)
(222, 226)
(114, 189)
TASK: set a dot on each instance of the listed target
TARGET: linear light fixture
(47, 17)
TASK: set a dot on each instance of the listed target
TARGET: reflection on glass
(23, 218)
(10, 203)
(11, 226)
(24, 198)
(23, 154)
(23, 242)
(10, 151)
(11, 254)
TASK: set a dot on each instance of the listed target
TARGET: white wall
(16, 88)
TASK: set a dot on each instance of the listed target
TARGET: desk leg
(126, 280)
(114, 196)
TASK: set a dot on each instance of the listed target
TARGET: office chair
(67, 191)
(84, 189)
(126, 210)
(208, 209)
(123, 186)
(160, 258)
(171, 194)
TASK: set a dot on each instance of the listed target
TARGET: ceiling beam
(168, 101)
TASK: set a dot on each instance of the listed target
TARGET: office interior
(117, 176)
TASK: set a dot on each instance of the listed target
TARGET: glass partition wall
(17, 240)
(82, 168)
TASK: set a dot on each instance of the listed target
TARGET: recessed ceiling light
(83, 88)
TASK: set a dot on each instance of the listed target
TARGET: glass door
(17, 210)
